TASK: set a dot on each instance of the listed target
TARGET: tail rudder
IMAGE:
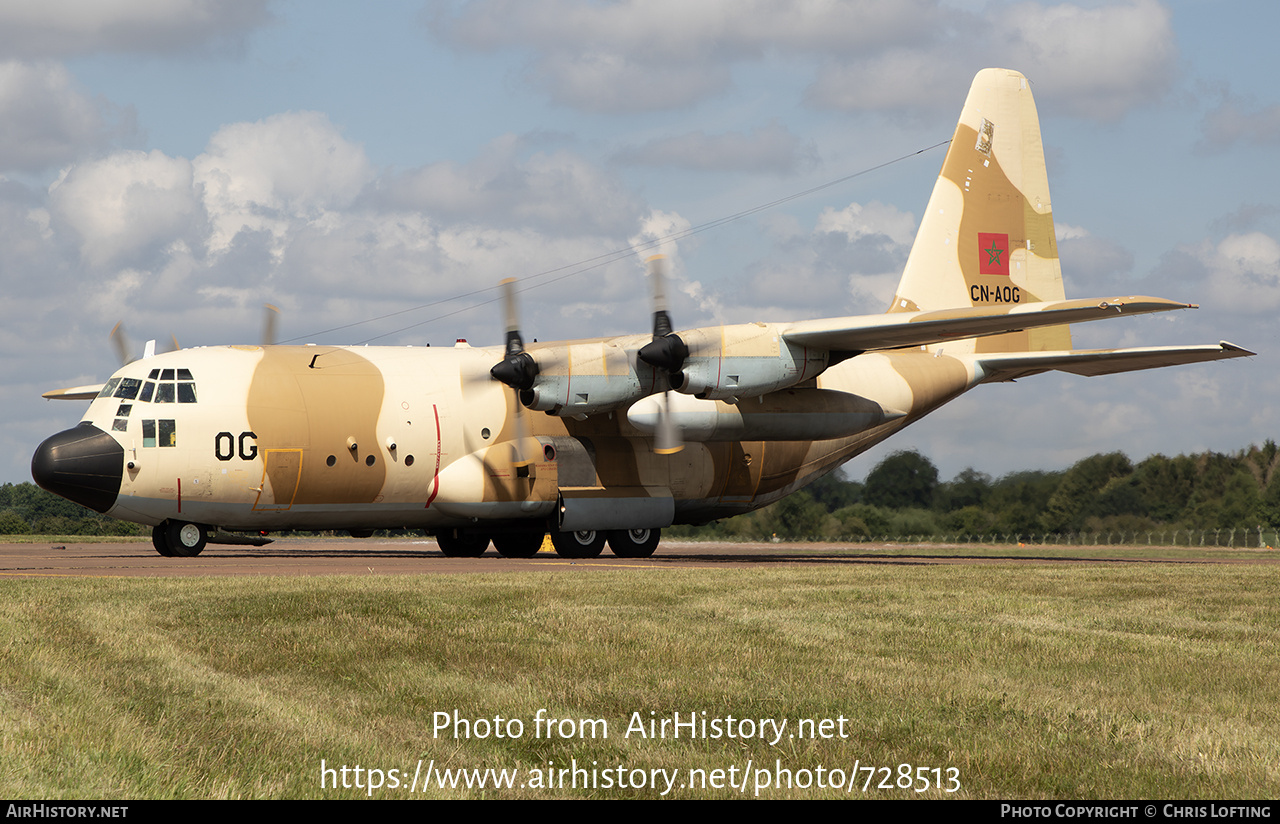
(987, 236)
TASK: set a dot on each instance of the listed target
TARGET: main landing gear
(634, 543)
(179, 539)
(583, 544)
(625, 543)
(458, 544)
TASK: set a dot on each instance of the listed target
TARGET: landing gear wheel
(634, 543)
(186, 540)
(585, 544)
(160, 540)
(518, 544)
(455, 544)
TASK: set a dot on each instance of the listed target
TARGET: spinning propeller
(517, 370)
(124, 352)
(666, 352)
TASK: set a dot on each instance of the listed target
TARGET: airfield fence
(1239, 538)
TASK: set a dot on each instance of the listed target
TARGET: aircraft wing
(898, 329)
(1090, 362)
(74, 393)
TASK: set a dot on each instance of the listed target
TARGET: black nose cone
(83, 464)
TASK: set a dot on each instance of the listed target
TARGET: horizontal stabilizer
(899, 329)
(75, 393)
(1007, 367)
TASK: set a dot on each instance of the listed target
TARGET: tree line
(26, 509)
(903, 495)
(1103, 493)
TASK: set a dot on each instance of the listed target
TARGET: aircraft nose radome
(83, 464)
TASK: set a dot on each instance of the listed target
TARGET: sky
(375, 169)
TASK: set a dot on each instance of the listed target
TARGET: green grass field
(1023, 680)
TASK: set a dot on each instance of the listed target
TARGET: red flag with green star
(993, 253)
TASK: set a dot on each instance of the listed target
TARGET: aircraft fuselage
(323, 437)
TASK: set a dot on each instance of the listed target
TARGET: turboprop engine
(762, 362)
(591, 377)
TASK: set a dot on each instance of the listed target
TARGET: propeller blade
(515, 343)
(656, 267)
(666, 351)
(269, 317)
(667, 440)
(121, 343)
(518, 369)
(520, 455)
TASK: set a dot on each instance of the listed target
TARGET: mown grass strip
(1089, 681)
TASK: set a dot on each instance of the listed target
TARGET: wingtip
(1239, 350)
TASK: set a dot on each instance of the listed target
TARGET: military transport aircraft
(640, 432)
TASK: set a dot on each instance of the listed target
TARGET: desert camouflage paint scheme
(201, 442)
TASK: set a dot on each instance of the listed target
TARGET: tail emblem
(993, 253)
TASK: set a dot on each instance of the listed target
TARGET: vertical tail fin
(987, 236)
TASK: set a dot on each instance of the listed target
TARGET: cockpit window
(128, 388)
(147, 389)
(108, 388)
(171, 388)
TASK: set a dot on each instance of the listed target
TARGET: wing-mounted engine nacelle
(743, 361)
(588, 378)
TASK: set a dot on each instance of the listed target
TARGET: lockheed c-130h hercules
(640, 432)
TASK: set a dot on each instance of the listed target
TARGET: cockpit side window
(109, 388)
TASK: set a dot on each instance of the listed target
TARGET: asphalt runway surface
(349, 556)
